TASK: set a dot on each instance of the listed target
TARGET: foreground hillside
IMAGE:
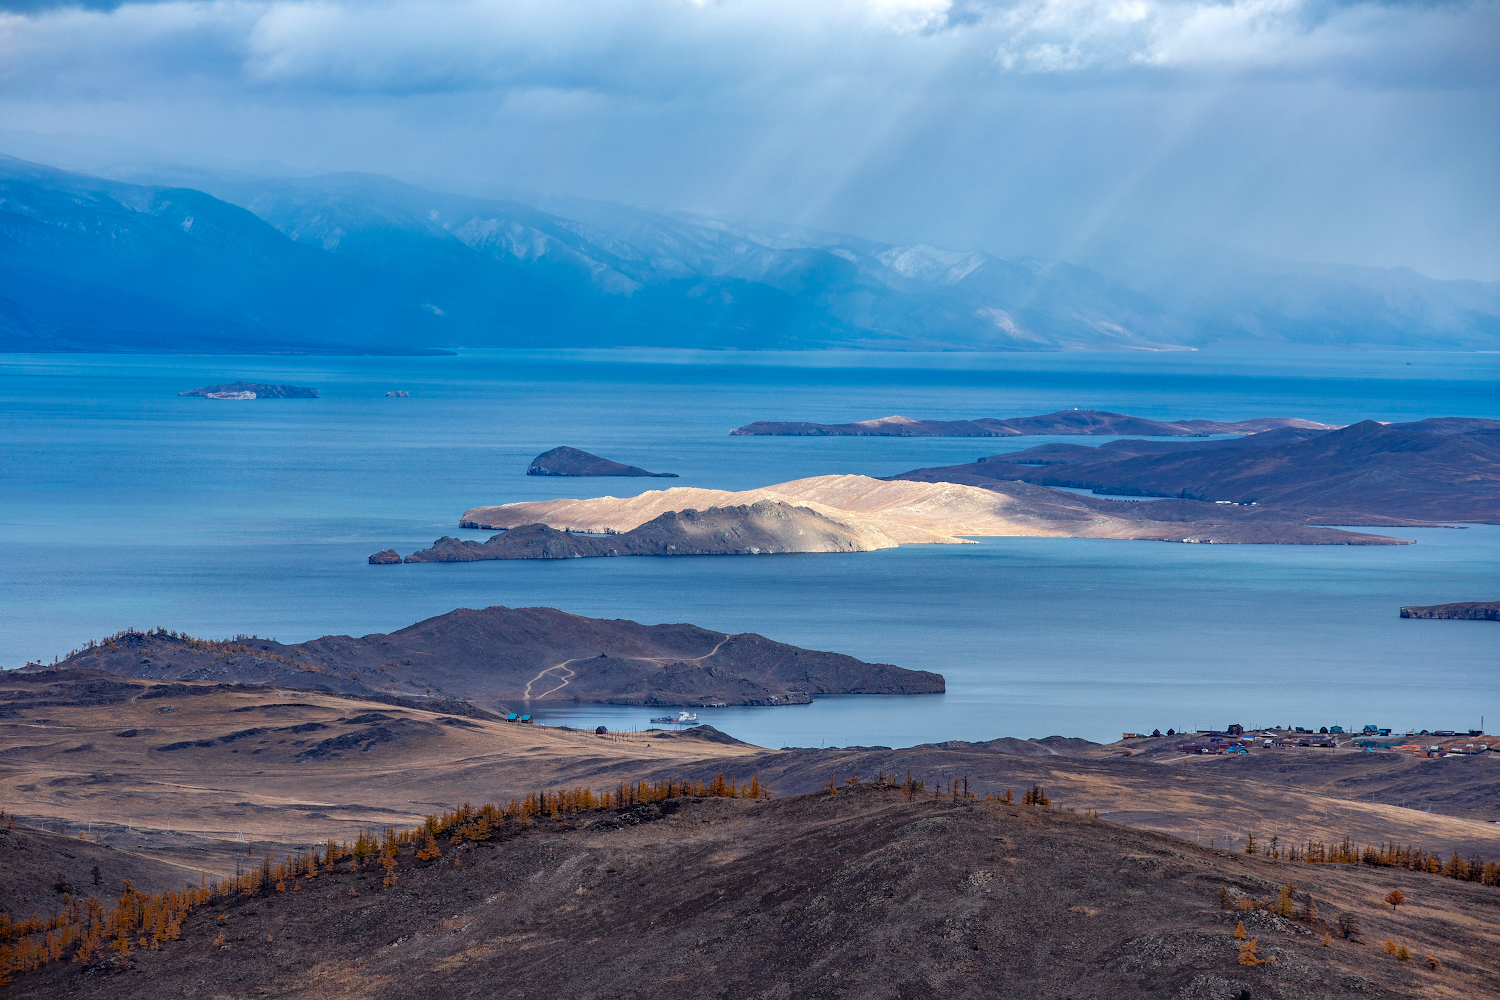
(870, 892)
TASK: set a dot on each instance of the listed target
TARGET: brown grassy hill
(216, 762)
(500, 655)
(267, 764)
(861, 894)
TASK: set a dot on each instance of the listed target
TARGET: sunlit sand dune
(918, 513)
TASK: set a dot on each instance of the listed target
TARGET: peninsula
(908, 512)
(567, 461)
(766, 527)
(502, 657)
(1061, 422)
(251, 390)
(1445, 468)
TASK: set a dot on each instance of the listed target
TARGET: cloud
(1337, 129)
(662, 47)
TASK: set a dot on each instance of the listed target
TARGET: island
(251, 390)
(567, 461)
(1483, 611)
(1061, 422)
(499, 657)
(766, 527)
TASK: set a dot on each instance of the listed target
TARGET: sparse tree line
(224, 647)
(1284, 906)
(86, 933)
(1389, 855)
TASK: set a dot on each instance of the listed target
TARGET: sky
(1309, 130)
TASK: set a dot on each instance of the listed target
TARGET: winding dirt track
(660, 661)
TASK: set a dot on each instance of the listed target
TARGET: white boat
(683, 718)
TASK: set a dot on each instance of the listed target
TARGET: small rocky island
(766, 527)
(251, 390)
(567, 461)
(1484, 611)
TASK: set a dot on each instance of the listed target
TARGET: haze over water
(126, 505)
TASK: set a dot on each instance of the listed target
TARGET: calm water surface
(126, 505)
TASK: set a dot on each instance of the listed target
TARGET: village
(1371, 739)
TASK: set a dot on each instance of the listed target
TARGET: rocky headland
(498, 657)
(567, 461)
(251, 390)
(1484, 611)
(912, 512)
(766, 527)
(1061, 422)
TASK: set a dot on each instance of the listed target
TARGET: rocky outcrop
(237, 390)
(397, 394)
(1484, 611)
(1061, 422)
(765, 527)
(385, 557)
(567, 461)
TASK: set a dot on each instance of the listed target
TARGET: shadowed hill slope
(861, 894)
(40, 866)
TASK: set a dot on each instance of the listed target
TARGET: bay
(126, 505)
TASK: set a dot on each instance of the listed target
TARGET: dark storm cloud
(1354, 130)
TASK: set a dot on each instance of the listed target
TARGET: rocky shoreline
(1483, 611)
(251, 390)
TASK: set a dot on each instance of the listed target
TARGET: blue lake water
(126, 505)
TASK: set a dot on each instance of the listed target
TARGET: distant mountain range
(355, 263)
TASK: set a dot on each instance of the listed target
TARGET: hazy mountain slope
(92, 264)
(362, 262)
